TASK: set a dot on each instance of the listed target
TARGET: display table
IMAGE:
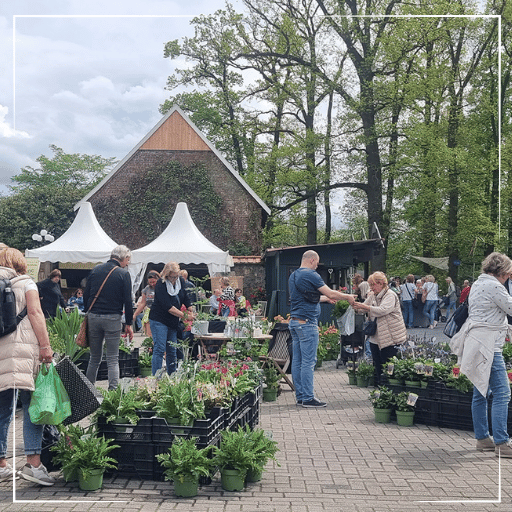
(211, 343)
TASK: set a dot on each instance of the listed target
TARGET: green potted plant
(63, 449)
(383, 401)
(263, 448)
(271, 379)
(63, 329)
(396, 377)
(235, 457)
(90, 458)
(351, 372)
(145, 359)
(120, 406)
(404, 411)
(410, 373)
(178, 402)
(363, 373)
(184, 463)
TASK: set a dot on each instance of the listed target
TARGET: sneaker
(6, 473)
(435, 324)
(485, 445)
(504, 450)
(314, 403)
(299, 402)
(37, 475)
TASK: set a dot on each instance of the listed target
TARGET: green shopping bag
(50, 403)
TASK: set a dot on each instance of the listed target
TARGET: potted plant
(184, 463)
(271, 379)
(201, 323)
(396, 375)
(235, 458)
(63, 449)
(145, 360)
(363, 373)
(178, 402)
(410, 373)
(120, 406)
(321, 354)
(263, 448)
(383, 401)
(63, 329)
(90, 458)
(351, 372)
(404, 411)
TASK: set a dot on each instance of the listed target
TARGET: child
(214, 302)
(241, 303)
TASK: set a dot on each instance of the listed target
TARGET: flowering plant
(257, 294)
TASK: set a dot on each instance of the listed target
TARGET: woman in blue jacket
(165, 315)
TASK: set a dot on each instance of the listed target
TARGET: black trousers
(381, 356)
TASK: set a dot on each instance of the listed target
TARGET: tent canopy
(182, 242)
(83, 242)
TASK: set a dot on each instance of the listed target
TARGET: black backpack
(8, 319)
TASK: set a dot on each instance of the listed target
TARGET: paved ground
(332, 459)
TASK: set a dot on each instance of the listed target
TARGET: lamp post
(43, 235)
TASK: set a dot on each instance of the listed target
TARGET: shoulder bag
(81, 338)
(456, 321)
(310, 296)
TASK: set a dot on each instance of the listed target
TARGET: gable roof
(84, 241)
(176, 132)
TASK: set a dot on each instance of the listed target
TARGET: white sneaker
(6, 473)
(37, 475)
(435, 323)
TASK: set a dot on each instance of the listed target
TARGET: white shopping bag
(346, 324)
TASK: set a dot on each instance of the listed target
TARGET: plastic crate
(134, 460)
(427, 412)
(446, 394)
(242, 419)
(205, 430)
(455, 415)
(128, 365)
(255, 396)
(254, 416)
(141, 432)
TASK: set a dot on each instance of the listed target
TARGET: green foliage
(118, 403)
(178, 399)
(44, 197)
(69, 435)
(271, 376)
(382, 398)
(365, 369)
(236, 451)
(262, 446)
(184, 460)
(507, 352)
(90, 451)
(401, 402)
(63, 329)
(461, 383)
(340, 308)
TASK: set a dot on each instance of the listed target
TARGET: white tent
(83, 242)
(182, 242)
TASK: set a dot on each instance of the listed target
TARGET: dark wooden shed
(338, 263)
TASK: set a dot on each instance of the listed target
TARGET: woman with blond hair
(20, 355)
(383, 305)
(165, 315)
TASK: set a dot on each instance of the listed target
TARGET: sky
(89, 85)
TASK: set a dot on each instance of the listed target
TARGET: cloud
(5, 128)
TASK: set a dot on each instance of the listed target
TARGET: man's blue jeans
(429, 310)
(408, 313)
(161, 336)
(305, 345)
(32, 434)
(500, 388)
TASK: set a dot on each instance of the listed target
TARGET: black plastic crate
(128, 365)
(426, 412)
(141, 432)
(455, 415)
(242, 419)
(205, 430)
(254, 416)
(134, 460)
(255, 396)
(446, 394)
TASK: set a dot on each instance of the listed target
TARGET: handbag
(83, 395)
(81, 338)
(456, 321)
(49, 404)
(370, 327)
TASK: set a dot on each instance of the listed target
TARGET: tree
(43, 197)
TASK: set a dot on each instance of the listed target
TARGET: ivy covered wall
(138, 202)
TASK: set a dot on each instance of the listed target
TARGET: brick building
(175, 162)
